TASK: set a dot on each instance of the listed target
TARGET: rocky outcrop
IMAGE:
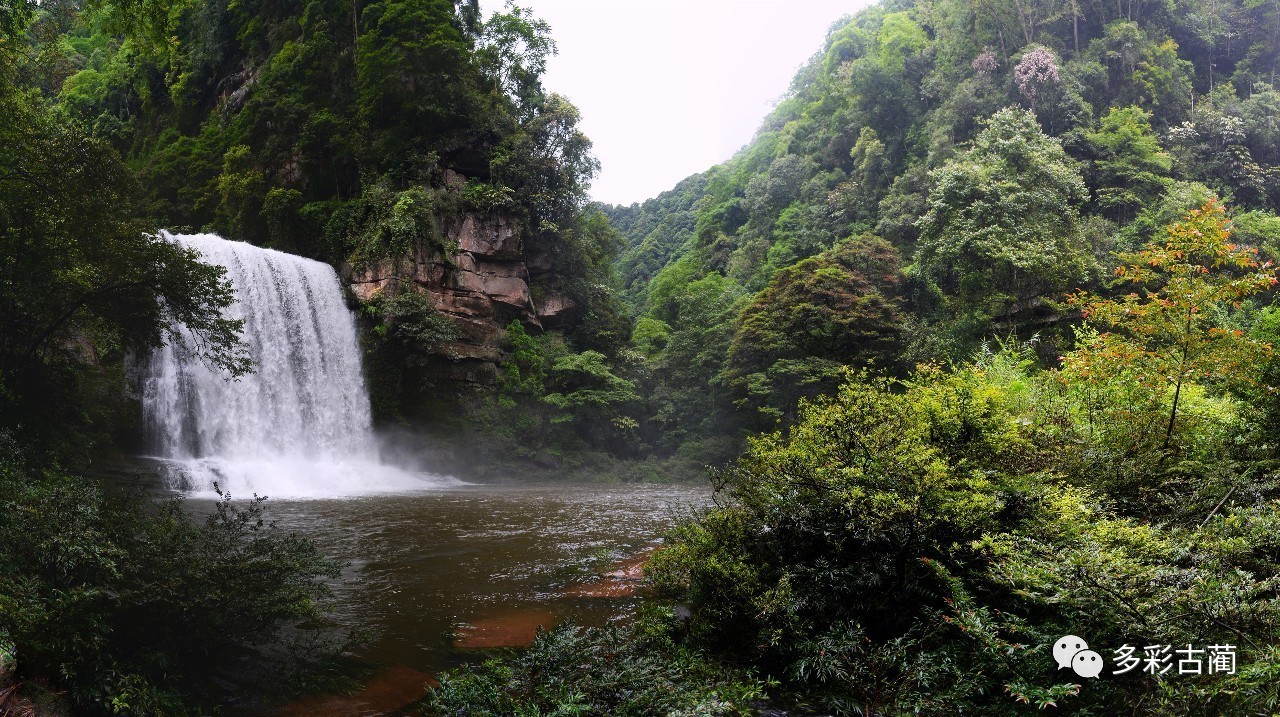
(557, 311)
(481, 282)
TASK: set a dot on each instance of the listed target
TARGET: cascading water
(297, 426)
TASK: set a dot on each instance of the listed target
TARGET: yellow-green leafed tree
(1169, 333)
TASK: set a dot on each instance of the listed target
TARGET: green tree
(547, 161)
(136, 608)
(14, 17)
(842, 307)
(868, 182)
(526, 365)
(242, 189)
(513, 50)
(699, 313)
(1213, 147)
(592, 398)
(1002, 232)
(1132, 170)
(898, 39)
(81, 279)
(416, 76)
(822, 551)
(1141, 70)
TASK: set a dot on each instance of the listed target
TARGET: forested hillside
(996, 281)
(324, 129)
(409, 144)
(365, 134)
(942, 174)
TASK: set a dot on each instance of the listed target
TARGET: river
(436, 576)
(419, 567)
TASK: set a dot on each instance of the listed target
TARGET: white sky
(668, 88)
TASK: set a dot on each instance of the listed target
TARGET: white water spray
(299, 425)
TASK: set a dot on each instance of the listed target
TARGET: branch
(71, 311)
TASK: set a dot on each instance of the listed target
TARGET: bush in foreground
(632, 672)
(138, 608)
(906, 549)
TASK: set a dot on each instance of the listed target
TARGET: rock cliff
(485, 278)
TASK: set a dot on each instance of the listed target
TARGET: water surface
(422, 567)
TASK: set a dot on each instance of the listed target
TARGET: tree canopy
(1002, 228)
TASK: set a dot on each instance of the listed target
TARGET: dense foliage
(113, 604)
(1007, 150)
(919, 517)
(917, 546)
(144, 609)
(843, 307)
(596, 671)
(82, 281)
(299, 125)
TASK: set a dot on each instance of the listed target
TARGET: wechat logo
(1071, 651)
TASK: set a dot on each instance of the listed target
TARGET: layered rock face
(482, 286)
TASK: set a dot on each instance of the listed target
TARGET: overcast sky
(668, 88)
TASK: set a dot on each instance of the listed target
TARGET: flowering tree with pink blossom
(1036, 69)
(986, 63)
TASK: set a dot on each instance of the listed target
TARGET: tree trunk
(1173, 415)
(1024, 19)
(1075, 26)
(1177, 388)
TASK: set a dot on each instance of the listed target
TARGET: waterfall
(299, 425)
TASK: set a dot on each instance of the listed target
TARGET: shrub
(138, 607)
(829, 529)
(916, 548)
(604, 672)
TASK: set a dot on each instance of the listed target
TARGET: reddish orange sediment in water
(514, 628)
(387, 693)
(399, 687)
(622, 581)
